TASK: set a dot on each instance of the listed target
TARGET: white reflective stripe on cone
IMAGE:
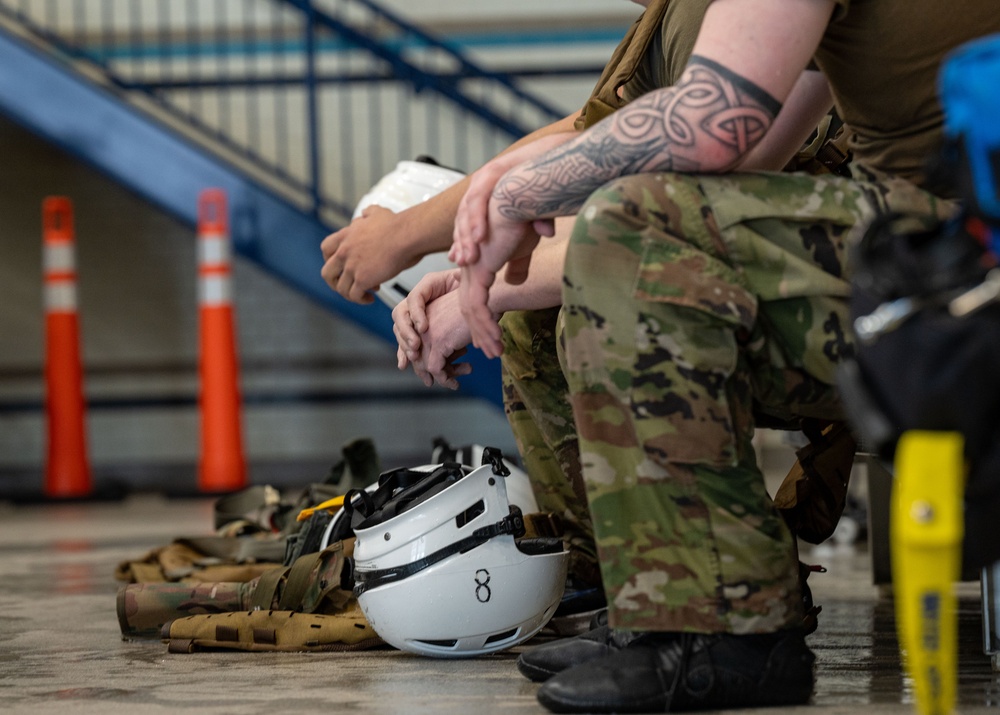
(59, 257)
(214, 249)
(60, 296)
(214, 290)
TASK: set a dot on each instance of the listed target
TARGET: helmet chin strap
(512, 524)
(400, 489)
(494, 457)
(366, 509)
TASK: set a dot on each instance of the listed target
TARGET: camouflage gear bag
(271, 631)
(306, 606)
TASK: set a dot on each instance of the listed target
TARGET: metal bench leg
(879, 498)
(990, 583)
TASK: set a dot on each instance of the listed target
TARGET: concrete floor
(61, 650)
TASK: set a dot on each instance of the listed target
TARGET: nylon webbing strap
(397, 490)
(252, 499)
(297, 582)
(267, 586)
(237, 549)
(834, 156)
(512, 524)
(543, 524)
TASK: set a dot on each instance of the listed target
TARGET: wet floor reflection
(73, 573)
(858, 659)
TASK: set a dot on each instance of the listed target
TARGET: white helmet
(410, 183)
(437, 569)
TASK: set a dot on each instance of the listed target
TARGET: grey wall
(310, 380)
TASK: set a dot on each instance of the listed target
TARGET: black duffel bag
(919, 365)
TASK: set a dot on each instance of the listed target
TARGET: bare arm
(745, 63)
(748, 56)
(542, 287)
(379, 245)
(805, 107)
(472, 218)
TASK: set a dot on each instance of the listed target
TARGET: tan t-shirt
(881, 58)
(652, 55)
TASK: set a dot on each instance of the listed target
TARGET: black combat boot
(672, 672)
(542, 662)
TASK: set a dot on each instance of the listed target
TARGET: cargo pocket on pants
(689, 309)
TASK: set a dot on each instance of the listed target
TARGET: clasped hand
(431, 332)
(485, 240)
(360, 257)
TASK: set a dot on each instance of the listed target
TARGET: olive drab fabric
(309, 605)
(262, 565)
(536, 402)
(183, 560)
(255, 528)
(651, 55)
(144, 608)
(622, 66)
(881, 59)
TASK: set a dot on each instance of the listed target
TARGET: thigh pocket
(684, 385)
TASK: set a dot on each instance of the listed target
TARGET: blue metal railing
(293, 108)
(318, 97)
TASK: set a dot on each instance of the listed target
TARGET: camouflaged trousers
(536, 402)
(690, 303)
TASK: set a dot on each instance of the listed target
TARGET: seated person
(693, 292)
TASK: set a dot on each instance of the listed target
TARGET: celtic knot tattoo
(707, 122)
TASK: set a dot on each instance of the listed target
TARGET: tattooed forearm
(706, 123)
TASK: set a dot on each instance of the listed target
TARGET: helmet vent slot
(471, 513)
(440, 644)
(498, 637)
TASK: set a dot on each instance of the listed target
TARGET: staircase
(279, 103)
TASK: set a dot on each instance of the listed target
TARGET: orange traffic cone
(222, 466)
(67, 468)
